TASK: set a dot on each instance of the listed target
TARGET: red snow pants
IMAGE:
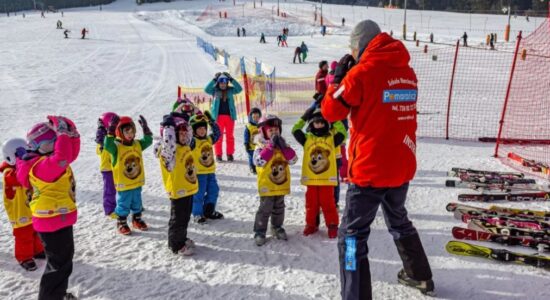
(320, 198)
(27, 243)
(227, 128)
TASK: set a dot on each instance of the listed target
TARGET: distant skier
(297, 53)
(262, 38)
(283, 41)
(323, 30)
(83, 32)
(465, 39)
(238, 31)
(42, 14)
(66, 33)
(343, 22)
(431, 37)
(59, 24)
(61, 13)
(492, 41)
(244, 32)
(304, 51)
(279, 40)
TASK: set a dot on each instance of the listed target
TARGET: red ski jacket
(380, 92)
(320, 82)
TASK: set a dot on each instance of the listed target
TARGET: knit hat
(362, 34)
(322, 63)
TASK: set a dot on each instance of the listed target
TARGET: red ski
(474, 235)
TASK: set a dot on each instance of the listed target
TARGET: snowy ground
(132, 67)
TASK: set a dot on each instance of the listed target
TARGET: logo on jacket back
(393, 96)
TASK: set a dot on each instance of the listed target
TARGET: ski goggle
(200, 118)
(223, 80)
(44, 146)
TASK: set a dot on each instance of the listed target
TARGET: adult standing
(223, 111)
(304, 50)
(380, 93)
(297, 53)
(465, 39)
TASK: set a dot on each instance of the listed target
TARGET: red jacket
(380, 92)
(320, 82)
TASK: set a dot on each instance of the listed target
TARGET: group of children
(269, 158)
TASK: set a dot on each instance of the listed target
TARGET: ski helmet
(270, 121)
(107, 117)
(41, 138)
(183, 106)
(322, 64)
(122, 124)
(10, 147)
(181, 124)
(198, 120)
(317, 116)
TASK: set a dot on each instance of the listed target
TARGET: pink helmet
(270, 121)
(333, 65)
(107, 117)
(41, 138)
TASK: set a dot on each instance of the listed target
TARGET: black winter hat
(322, 63)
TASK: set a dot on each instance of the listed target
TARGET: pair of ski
(502, 255)
(532, 164)
(496, 211)
(492, 181)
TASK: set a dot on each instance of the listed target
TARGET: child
(319, 171)
(106, 168)
(204, 201)
(128, 171)
(27, 243)
(250, 132)
(179, 176)
(45, 167)
(184, 108)
(272, 158)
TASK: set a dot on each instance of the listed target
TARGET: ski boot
(332, 231)
(122, 226)
(200, 220)
(253, 171)
(279, 233)
(138, 223)
(188, 249)
(260, 239)
(230, 158)
(219, 158)
(426, 287)
(211, 213)
(29, 265)
(69, 296)
(309, 230)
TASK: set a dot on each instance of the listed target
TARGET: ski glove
(344, 65)
(278, 142)
(168, 121)
(217, 75)
(208, 115)
(228, 75)
(143, 124)
(62, 125)
(318, 97)
(100, 133)
(112, 125)
(267, 152)
(308, 113)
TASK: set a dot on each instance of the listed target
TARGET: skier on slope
(382, 156)
(83, 32)
(297, 53)
(66, 33)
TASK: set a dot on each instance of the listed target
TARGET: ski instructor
(379, 88)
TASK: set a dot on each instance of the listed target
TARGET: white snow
(131, 64)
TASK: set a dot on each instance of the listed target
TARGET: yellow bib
(105, 164)
(253, 131)
(319, 163)
(274, 177)
(17, 208)
(128, 173)
(182, 181)
(204, 156)
(50, 199)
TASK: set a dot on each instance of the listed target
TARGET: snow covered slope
(132, 66)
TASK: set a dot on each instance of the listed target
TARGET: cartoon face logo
(190, 172)
(72, 191)
(207, 156)
(278, 171)
(319, 160)
(132, 167)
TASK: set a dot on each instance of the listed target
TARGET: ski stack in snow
(500, 225)
(497, 186)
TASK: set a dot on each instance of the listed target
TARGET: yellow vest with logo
(253, 131)
(129, 173)
(204, 156)
(319, 163)
(274, 177)
(182, 181)
(50, 199)
(105, 164)
(17, 208)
